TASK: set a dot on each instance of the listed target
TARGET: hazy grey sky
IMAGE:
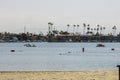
(35, 14)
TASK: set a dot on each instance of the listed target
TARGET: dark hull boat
(100, 45)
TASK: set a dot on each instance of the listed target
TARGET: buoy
(69, 52)
(83, 49)
(60, 53)
(112, 49)
(12, 50)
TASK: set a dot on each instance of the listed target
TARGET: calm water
(58, 57)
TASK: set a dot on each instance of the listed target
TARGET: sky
(35, 14)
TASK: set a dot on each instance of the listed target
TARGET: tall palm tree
(91, 29)
(114, 30)
(88, 28)
(114, 27)
(101, 28)
(84, 29)
(77, 29)
(74, 28)
(104, 30)
(68, 27)
(95, 30)
(98, 26)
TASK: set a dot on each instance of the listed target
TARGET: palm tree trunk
(68, 28)
(77, 29)
(84, 29)
(74, 28)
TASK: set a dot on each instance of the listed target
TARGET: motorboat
(29, 45)
(100, 45)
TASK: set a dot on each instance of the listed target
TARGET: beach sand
(59, 75)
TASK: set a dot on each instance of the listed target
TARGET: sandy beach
(59, 75)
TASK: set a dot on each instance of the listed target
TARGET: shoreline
(59, 75)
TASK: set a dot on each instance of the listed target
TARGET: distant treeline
(89, 34)
(57, 37)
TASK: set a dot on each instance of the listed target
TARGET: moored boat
(100, 45)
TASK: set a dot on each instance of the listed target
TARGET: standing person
(83, 50)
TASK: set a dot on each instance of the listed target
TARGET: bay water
(58, 56)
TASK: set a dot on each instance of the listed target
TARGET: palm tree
(114, 30)
(98, 29)
(101, 30)
(95, 30)
(92, 30)
(77, 29)
(104, 30)
(68, 27)
(88, 28)
(74, 28)
(114, 27)
(84, 29)
(98, 25)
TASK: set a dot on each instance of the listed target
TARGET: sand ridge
(59, 75)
